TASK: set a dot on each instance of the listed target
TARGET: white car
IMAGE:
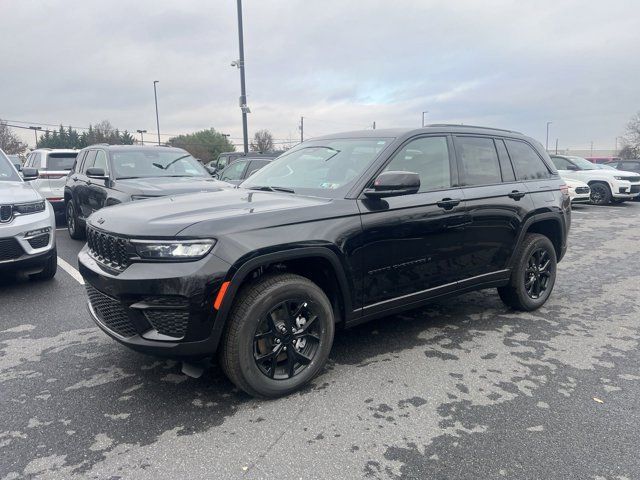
(27, 225)
(606, 185)
(53, 166)
(579, 192)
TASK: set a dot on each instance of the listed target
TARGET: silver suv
(53, 166)
(27, 224)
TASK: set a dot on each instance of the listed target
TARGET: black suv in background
(105, 175)
(239, 171)
(338, 230)
(227, 158)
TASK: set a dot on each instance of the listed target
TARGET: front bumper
(623, 189)
(161, 309)
(19, 252)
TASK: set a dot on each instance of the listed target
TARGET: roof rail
(472, 126)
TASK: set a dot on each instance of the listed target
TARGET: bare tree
(262, 141)
(9, 141)
(631, 148)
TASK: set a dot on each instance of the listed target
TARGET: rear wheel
(600, 193)
(75, 226)
(279, 335)
(50, 268)
(534, 275)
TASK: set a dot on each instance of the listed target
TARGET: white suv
(53, 166)
(27, 224)
(606, 185)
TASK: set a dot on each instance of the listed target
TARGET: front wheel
(534, 275)
(279, 335)
(600, 193)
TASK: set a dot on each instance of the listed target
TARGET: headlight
(173, 249)
(619, 178)
(27, 208)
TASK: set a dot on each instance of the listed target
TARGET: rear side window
(60, 161)
(36, 160)
(526, 162)
(478, 161)
(255, 165)
(101, 161)
(429, 158)
(89, 160)
(505, 164)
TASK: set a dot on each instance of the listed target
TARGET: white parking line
(71, 271)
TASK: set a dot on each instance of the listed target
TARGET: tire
(75, 226)
(50, 268)
(518, 293)
(600, 193)
(277, 297)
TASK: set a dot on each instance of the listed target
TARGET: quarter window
(526, 162)
(429, 158)
(505, 164)
(479, 164)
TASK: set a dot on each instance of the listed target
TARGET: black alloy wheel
(600, 194)
(538, 273)
(287, 339)
(75, 228)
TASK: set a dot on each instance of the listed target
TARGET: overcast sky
(341, 64)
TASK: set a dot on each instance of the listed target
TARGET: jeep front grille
(108, 249)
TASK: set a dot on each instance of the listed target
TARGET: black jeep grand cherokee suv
(339, 230)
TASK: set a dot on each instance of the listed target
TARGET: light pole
(547, 144)
(616, 150)
(423, 114)
(35, 133)
(243, 93)
(155, 95)
(141, 132)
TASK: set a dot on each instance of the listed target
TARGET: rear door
(496, 202)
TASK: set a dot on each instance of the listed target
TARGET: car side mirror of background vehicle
(29, 174)
(572, 167)
(393, 184)
(18, 166)
(96, 172)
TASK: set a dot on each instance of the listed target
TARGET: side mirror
(572, 167)
(18, 166)
(393, 184)
(29, 174)
(96, 172)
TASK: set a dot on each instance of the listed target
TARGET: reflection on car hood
(167, 216)
(573, 183)
(18, 192)
(596, 173)
(169, 185)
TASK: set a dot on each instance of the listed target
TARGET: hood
(18, 192)
(238, 208)
(161, 186)
(573, 183)
(602, 173)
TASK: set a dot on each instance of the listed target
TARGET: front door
(411, 243)
(98, 188)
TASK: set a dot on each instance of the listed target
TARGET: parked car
(579, 192)
(628, 165)
(606, 185)
(53, 166)
(338, 230)
(105, 175)
(27, 225)
(242, 169)
(227, 158)
(602, 159)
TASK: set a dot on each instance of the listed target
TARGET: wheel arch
(551, 226)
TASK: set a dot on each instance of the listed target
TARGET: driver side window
(429, 158)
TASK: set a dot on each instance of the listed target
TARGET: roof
(132, 147)
(433, 128)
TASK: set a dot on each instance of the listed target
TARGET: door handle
(448, 203)
(517, 195)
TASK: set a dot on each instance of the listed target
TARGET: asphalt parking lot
(462, 389)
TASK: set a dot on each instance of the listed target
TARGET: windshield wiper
(164, 167)
(268, 188)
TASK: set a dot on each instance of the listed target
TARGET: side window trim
(508, 162)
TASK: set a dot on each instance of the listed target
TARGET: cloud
(343, 65)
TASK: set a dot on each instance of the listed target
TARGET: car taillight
(564, 189)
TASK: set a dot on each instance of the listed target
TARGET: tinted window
(429, 158)
(233, 171)
(60, 161)
(561, 163)
(88, 160)
(101, 161)
(505, 163)
(478, 163)
(36, 161)
(254, 166)
(526, 162)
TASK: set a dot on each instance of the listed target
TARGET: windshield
(61, 161)
(321, 167)
(583, 163)
(155, 163)
(7, 171)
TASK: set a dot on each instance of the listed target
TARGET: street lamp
(547, 144)
(243, 93)
(423, 114)
(141, 132)
(616, 150)
(155, 95)
(35, 133)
